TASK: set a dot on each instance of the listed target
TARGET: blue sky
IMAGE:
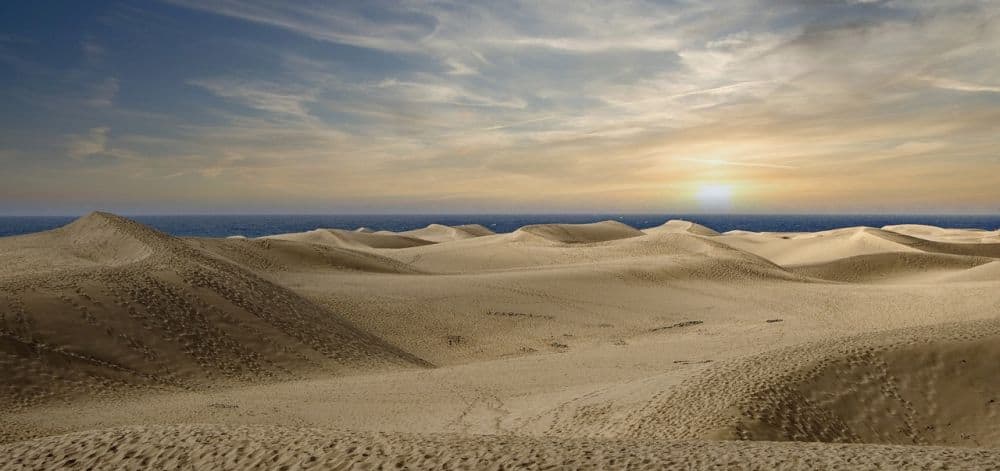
(188, 106)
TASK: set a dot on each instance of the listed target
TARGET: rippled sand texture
(581, 346)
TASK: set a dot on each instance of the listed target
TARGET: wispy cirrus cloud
(104, 93)
(93, 142)
(736, 163)
(93, 51)
(264, 96)
(325, 22)
(958, 85)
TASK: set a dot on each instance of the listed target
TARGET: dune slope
(276, 255)
(892, 267)
(105, 303)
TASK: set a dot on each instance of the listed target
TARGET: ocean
(261, 225)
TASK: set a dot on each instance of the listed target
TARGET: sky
(274, 106)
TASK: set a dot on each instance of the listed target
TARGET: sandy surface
(580, 346)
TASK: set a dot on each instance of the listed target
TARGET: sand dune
(677, 225)
(577, 233)
(587, 346)
(893, 267)
(804, 249)
(942, 392)
(269, 255)
(931, 385)
(441, 233)
(105, 304)
(939, 234)
(982, 273)
(820, 247)
(525, 250)
(352, 239)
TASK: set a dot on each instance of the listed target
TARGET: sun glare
(714, 195)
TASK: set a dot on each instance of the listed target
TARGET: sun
(714, 195)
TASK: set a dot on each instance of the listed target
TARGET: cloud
(589, 45)
(958, 85)
(442, 93)
(264, 96)
(458, 67)
(320, 21)
(93, 51)
(735, 164)
(104, 93)
(94, 142)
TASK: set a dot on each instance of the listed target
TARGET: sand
(580, 346)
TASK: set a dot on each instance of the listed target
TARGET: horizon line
(568, 213)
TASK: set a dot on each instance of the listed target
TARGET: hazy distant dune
(441, 233)
(352, 239)
(577, 233)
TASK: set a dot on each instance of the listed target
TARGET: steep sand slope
(105, 305)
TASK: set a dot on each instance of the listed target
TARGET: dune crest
(577, 233)
(938, 234)
(827, 246)
(108, 239)
(681, 226)
(441, 233)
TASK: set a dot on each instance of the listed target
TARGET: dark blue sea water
(259, 225)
